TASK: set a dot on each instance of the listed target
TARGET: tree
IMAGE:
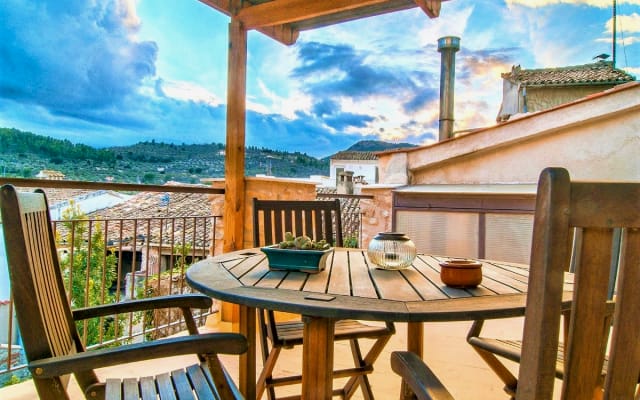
(89, 270)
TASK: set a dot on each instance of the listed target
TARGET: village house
(531, 90)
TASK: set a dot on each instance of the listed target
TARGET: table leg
(415, 344)
(247, 367)
(317, 358)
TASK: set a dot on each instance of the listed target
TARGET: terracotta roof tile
(183, 207)
(599, 73)
(354, 155)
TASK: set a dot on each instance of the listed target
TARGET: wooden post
(247, 366)
(317, 358)
(234, 195)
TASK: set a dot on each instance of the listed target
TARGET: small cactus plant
(302, 243)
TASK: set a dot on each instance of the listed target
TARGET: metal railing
(109, 258)
(351, 216)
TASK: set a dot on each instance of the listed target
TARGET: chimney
(447, 46)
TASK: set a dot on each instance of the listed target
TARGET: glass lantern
(391, 250)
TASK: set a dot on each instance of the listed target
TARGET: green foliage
(89, 273)
(16, 141)
(181, 163)
(149, 177)
(350, 241)
(153, 287)
(15, 379)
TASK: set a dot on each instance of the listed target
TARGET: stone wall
(376, 212)
(264, 189)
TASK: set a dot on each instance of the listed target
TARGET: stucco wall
(595, 138)
(598, 151)
(366, 168)
(546, 97)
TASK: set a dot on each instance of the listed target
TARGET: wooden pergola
(281, 20)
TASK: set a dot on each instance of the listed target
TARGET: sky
(118, 72)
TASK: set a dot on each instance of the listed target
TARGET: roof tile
(599, 73)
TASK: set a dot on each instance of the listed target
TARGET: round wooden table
(352, 288)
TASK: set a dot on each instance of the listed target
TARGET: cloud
(590, 3)
(186, 91)
(81, 70)
(76, 60)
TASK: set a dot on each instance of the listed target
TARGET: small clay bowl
(461, 273)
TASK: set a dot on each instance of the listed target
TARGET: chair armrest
(183, 301)
(211, 343)
(415, 373)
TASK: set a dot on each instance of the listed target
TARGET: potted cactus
(298, 254)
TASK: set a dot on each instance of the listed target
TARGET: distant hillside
(377, 145)
(24, 154)
(373, 145)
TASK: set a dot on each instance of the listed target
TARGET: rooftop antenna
(614, 33)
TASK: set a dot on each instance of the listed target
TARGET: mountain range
(24, 154)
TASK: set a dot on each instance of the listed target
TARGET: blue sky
(116, 72)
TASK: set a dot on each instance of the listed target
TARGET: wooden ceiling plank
(280, 12)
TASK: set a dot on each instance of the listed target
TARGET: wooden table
(359, 291)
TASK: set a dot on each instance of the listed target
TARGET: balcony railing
(119, 253)
(138, 248)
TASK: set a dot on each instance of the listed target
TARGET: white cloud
(187, 91)
(591, 3)
(127, 11)
(269, 102)
(436, 28)
(625, 23)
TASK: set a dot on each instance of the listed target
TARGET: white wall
(366, 168)
(596, 138)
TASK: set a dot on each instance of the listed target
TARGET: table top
(355, 288)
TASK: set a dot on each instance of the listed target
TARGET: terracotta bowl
(461, 273)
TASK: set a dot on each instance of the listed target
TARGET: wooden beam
(281, 33)
(234, 203)
(430, 7)
(224, 6)
(280, 12)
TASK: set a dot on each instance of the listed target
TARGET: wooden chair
(52, 343)
(318, 220)
(595, 210)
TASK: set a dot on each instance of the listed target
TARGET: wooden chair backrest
(599, 211)
(44, 315)
(273, 218)
(314, 218)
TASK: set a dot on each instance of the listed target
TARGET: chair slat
(624, 359)
(181, 385)
(130, 389)
(148, 388)
(113, 390)
(589, 317)
(165, 387)
(200, 383)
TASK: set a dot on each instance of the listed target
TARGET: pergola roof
(283, 20)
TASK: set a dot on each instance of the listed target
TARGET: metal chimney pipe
(447, 46)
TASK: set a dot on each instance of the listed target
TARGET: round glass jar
(391, 250)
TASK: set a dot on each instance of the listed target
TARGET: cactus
(302, 243)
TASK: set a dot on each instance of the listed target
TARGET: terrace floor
(446, 351)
